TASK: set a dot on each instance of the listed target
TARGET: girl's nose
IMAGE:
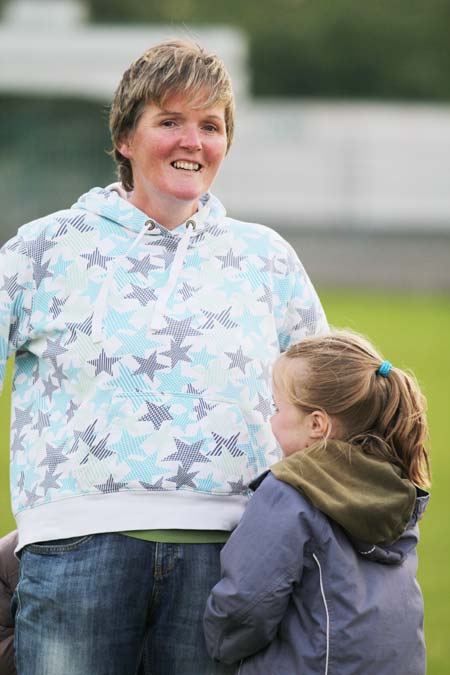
(191, 138)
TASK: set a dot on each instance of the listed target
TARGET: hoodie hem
(117, 512)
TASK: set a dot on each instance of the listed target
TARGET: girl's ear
(319, 424)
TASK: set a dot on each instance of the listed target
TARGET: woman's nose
(191, 138)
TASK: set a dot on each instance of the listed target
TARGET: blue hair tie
(384, 369)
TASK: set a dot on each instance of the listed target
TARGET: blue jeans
(108, 604)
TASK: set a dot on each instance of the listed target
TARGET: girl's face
(290, 425)
(294, 428)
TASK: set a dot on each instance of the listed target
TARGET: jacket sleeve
(16, 283)
(260, 563)
(303, 311)
(9, 573)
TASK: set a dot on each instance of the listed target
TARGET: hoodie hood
(367, 497)
(112, 203)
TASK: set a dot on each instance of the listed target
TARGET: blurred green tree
(326, 48)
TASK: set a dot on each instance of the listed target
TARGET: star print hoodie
(141, 394)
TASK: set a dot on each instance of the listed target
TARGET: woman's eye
(210, 127)
(168, 123)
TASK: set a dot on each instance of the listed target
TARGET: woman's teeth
(187, 166)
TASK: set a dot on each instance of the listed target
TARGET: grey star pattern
(11, 286)
(187, 454)
(267, 297)
(144, 295)
(177, 353)
(36, 249)
(308, 319)
(179, 329)
(40, 272)
(148, 366)
(110, 485)
(54, 349)
(100, 451)
(84, 326)
(22, 417)
(54, 456)
(202, 408)
(50, 481)
(269, 265)
(32, 497)
(238, 487)
(71, 410)
(49, 388)
(156, 414)
(142, 266)
(88, 436)
(78, 222)
(238, 360)
(264, 407)
(222, 317)
(21, 481)
(43, 421)
(187, 291)
(104, 363)
(57, 304)
(59, 375)
(96, 258)
(230, 260)
(230, 443)
(167, 258)
(153, 486)
(17, 443)
(183, 478)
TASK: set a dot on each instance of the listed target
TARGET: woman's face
(175, 153)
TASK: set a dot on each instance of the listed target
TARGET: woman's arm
(261, 562)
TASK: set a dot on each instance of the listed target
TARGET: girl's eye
(210, 127)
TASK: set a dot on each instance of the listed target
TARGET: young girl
(319, 576)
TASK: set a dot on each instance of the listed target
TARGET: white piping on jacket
(326, 612)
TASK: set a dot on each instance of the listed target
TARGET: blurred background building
(343, 121)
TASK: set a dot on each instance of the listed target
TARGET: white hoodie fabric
(142, 374)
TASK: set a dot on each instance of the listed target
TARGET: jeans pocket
(58, 546)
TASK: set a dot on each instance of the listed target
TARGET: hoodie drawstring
(100, 303)
(177, 266)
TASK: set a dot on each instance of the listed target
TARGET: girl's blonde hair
(339, 375)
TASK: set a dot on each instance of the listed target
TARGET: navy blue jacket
(298, 597)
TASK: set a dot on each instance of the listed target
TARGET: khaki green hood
(366, 496)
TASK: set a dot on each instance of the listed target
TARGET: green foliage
(327, 48)
(412, 332)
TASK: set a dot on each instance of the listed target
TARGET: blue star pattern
(120, 393)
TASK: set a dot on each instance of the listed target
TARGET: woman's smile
(175, 153)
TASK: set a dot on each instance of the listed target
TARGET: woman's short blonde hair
(168, 68)
(340, 375)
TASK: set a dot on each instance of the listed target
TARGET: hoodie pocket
(181, 442)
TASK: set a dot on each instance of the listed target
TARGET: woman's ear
(124, 146)
(319, 424)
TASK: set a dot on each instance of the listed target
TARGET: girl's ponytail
(370, 403)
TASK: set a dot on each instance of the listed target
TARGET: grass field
(412, 332)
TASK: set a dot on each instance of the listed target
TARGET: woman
(144, 321)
